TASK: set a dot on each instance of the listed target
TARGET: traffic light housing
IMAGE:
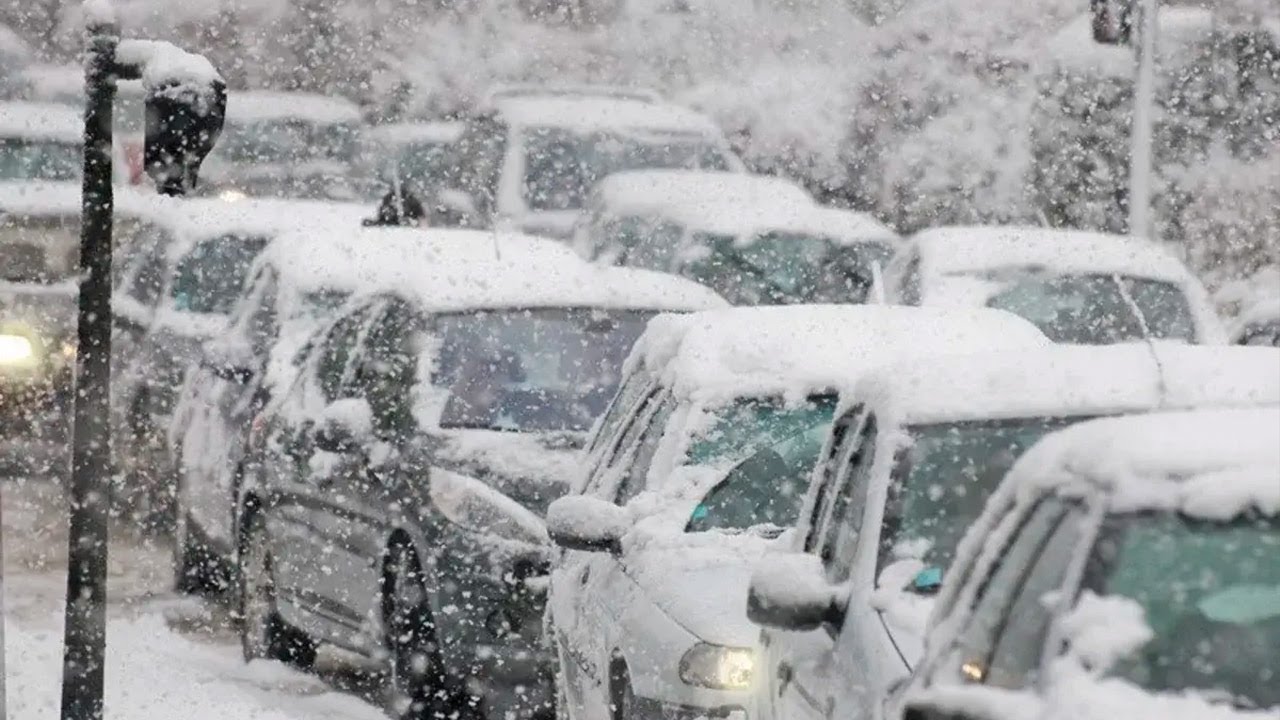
(183, 121)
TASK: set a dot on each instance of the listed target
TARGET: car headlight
(719, 667)
(15, 350)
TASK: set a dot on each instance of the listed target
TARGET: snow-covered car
(397, 500)
(300, 282)
(1259, 325)
(1077, 287)
(175, 292)
(413, 153)
(911, 461)
(286, 145)
(531, 161)
(39, 259)
(15, 55)
(756, 240)
(1126, 568)
(696, 468)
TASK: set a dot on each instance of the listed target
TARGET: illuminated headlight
(715, 666)
(15, 349)
(232, 196)
(69, 350)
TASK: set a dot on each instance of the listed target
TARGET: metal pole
(1144, 100)
(85, 633)
(4, 703)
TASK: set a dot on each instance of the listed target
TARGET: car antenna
(1162, 384)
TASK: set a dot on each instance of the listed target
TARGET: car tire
(416, 686)
(263, 633)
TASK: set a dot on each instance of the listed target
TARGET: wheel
(417, 687)
(263, 634)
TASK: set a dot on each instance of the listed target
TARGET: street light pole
(85, 629)
(1143, 131)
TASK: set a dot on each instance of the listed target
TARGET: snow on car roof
(249, 106)
(960, 250)
(744, 220)
(41, 121)
(797, 350)
(404, 133)
(522, 279)
(1213, 464)
(197, 219)
(1063, 381)
(653, 191)
(588, 114)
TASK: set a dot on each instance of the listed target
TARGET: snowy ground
(167, 657)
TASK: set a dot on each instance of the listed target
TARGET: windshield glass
(1092, 309)
(941, 483)
(39, 250)
(774, 448)
(324, 303)
(283, 141)
(533, 370)
(1211, 595)
(562, 166)
(781, 268)
(210, 278)
(422, 163)
(39, 160)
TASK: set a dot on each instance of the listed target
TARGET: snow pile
(165, 65)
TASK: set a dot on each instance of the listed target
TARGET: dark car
(398, 501)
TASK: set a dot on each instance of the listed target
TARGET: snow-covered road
(167, 657)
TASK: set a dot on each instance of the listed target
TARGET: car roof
(197, 219)
(41, 121)
(588, 114)
(1064, 380)
(404, 133)
(744, 219)
(654, 191)
(955, 250)
(247, 106)
(1213, 464)
(797, 350)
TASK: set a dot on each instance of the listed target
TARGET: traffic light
(183, 122)
(1112, 21)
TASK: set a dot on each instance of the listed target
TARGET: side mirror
(585, 523)
(230, 361)
(345, 425)
(788, 591)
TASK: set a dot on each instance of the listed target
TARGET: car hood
(702, 586)
(532, 468)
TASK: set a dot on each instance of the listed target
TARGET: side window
(147, 282)
(909, 292)
(385, 369)
(627, 395)
(262, 328)
(845, 519)
(1003, 584)
(828, 472)
(337, 350)
(638, 469)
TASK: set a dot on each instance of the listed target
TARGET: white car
(44, 141)
(913, 457)
(530, 163)
(1126, 568)
(694, 471)
(299, 283)
(754, 239)
(1078, 287)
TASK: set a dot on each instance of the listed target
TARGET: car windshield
(1093, 309)
(562, 166)
(1211, 596)
(209, 279)
(533, 370)
(284, 141)
(779, 268)
(774, 447)
(35, 160)
(941, 482)
(39, 250)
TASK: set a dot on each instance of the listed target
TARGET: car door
(300, 484)
(365, 483)
(803, 660)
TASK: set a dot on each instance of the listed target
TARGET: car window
(631, 425)
(147, 282)
(638, 469)
(845, 521)
(337, 351)
(386, 368)
(211, 276)
(1004, 580)
(1016, 656)
(626, 397)
(263, 325)
(828, 472)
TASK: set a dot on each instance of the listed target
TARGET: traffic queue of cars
(978, 473)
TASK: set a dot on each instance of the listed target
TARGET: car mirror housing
(788, 591)
(345, 425)
(586, 523)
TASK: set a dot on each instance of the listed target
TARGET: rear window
(211, 277)
(39, 160)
